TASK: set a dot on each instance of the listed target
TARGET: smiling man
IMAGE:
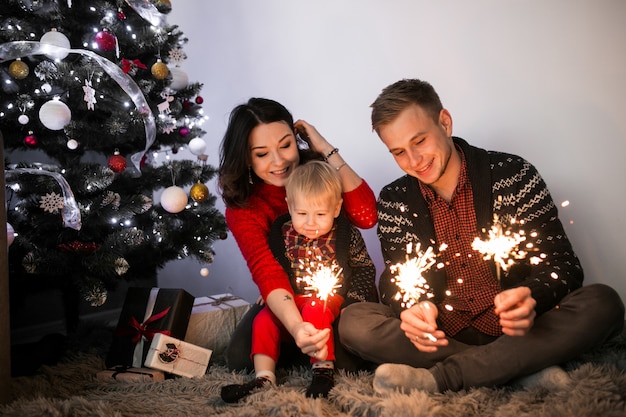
(473, 327)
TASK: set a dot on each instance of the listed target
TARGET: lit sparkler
(409, 279)
(503, 246)
(321, 279)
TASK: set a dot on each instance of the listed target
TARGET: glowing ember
(321, 280)
(409, 279)
(502, 246)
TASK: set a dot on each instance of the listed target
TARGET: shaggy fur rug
(70, 389)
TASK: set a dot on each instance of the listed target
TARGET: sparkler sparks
(502, 246)
(409, 279)
(321, 279)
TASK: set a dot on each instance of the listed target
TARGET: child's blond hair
(316, 180)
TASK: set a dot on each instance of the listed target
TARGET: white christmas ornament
(56, 39)
(46, 88)
(197, 146)
(55, 114)
(180, 79)
(174, 199)
(23, 119)
(72, 144)
(10, 234)
(204, 272)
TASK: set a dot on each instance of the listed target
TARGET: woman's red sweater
(251, 225)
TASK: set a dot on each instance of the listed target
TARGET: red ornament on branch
(106, 41)
(31, 140)
(117, 162)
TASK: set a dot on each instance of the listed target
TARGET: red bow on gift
(128, 65)
(138, 330)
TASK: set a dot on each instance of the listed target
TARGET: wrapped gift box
(146, 312)
(213, 320)
(177, 357)
(131, 375)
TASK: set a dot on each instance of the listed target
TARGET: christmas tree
(94, 110)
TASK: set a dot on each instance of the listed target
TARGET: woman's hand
(516, 308)
(419, 324)
(318, 143)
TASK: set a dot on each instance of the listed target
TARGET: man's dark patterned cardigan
(504, 185)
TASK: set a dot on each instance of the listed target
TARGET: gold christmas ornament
(18, 69)
(199, 192)
(159, 70)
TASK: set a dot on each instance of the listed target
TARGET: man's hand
(420, 326)
(516, 308)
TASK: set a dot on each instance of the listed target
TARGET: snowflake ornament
(51, 203)
(177, 56)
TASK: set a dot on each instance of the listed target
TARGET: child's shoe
(235, 392)
(321, 384)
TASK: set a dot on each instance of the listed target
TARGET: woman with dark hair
(261, 147)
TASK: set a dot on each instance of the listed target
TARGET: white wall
(546, 80)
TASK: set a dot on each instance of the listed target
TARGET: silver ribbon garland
(70, 212)
(147, 11)
(20, 49)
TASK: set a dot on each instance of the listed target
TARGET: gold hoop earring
(250, 176)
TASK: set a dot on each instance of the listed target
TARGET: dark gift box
(146, 312)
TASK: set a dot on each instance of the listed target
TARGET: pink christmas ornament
(174, 199)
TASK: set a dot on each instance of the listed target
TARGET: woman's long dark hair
(234, 170)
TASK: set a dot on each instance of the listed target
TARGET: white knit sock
(552, 378)
(269, 375)
(391, 377)
(324, 364)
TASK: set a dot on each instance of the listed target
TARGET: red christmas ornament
(121, 15)
(186, 104)
(105, 40)
(31, 140)
(199, 100)
(117, 162)
(184, 131)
